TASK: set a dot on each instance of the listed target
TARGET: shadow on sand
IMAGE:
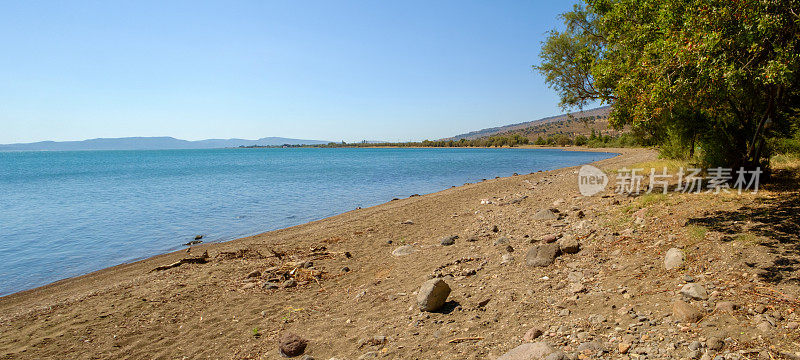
(776, 220)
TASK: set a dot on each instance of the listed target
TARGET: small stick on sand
(460, 340)
(190, 260)
(789, 300)
(320, 285)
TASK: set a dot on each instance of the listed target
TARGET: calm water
(64, 214)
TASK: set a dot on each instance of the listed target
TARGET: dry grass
(643, 168)
(619, 222)
(786, 161)
(747, 239)
(696, 233)
(672, 166)
(646, 200)
(651, 199)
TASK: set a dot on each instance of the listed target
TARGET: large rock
(764, 326)
(685, 312)
(725, 307)
(368, 355)
(542, 255)
(292, 345)
(532, 334)
(404, 250)
(501, 241)
(569, 245)
(448, 240)
(694, 291)
(545, 214)
(432, 295)
(591, 346)
(529, 351)
(577, 288)
(715, 343)
(674, 259)
(557, 355)
(549, 238)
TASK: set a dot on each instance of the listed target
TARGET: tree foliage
(493, 141)
(722, 74)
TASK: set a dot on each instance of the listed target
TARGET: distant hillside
(152, 143)
(582, 122)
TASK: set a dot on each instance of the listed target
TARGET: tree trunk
(754, 147)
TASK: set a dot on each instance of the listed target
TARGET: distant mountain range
(544, 126)
(570, 124)
(152, 143)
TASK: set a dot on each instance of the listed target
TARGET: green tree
(559, 140)
(721, 73)
(581, 140)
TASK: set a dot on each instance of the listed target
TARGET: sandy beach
(337, 283)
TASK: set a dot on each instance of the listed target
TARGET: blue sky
(332, 70)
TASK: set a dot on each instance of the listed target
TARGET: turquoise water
(64, 214)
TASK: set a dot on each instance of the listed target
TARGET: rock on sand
(545, 214)
(529, 351)
(448, 240)
(432, 295)
(542, 255)
(674, 259)
(292, 345)
(403, 250)
(569, 245)
(694, 291)
(685, 312)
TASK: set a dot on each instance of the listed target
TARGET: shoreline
(337, 282)
(78, 287)
(259, 233)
